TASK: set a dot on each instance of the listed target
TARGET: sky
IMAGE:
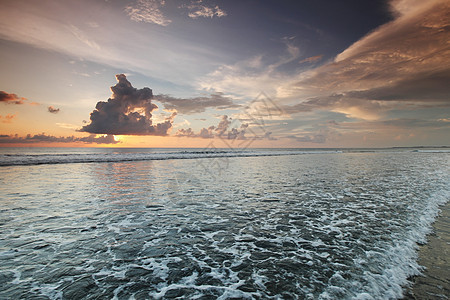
(225, 73)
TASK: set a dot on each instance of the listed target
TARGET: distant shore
(435, 257)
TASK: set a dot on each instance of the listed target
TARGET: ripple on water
(336, 227)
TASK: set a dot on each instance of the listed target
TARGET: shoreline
(434, 283)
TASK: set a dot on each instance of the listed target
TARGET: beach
(435, 257)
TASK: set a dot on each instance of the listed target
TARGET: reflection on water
(123, 183)
(313, 226)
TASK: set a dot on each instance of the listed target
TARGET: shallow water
(308, 226)
(434, 282)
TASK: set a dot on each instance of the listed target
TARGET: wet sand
(435, 257)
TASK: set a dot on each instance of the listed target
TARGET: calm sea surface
(218, 224)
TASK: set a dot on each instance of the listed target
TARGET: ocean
(104, 223)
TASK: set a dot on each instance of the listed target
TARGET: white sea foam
(124, 156)
(321, 226)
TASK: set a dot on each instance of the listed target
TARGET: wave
(68, 158)
(433, 151)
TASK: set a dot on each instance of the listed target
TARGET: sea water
(215, 224)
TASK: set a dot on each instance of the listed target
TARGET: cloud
(408, 48)
(404, 64)
(64, 28)
(81, 36)
(224, 132)
(253, 120)
(420, 90)
(104, 139)
(342, 103)
(196, 105)
(43, 138)
(316, 133)
(68, 126)
(7, 119)
(223, 125)
(127, 112)
(53, 110)
(260, 73)
(250, 77)
(197, 10)
(309, 138)
(311, 59)
(237, 133)
(207, 133)
(11, 98)
(392, 125)
(148, 11)
(419, 87)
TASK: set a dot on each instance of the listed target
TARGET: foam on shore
(434, 256)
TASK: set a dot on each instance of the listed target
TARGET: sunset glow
(185, 74)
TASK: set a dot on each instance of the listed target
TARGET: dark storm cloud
(127, 112)
(11, 98)
(53, 110)
(196, 105)
(43, 138)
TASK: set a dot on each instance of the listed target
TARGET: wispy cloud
(81, 36)
(249, 77)
(402, 63)
(68, 126)
(311, 59)
(110, 38)
(405, 49)
(148, 11)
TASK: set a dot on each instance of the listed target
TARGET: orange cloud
(14, 99)
(44, 138)
(11, 98)
(8, 118)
